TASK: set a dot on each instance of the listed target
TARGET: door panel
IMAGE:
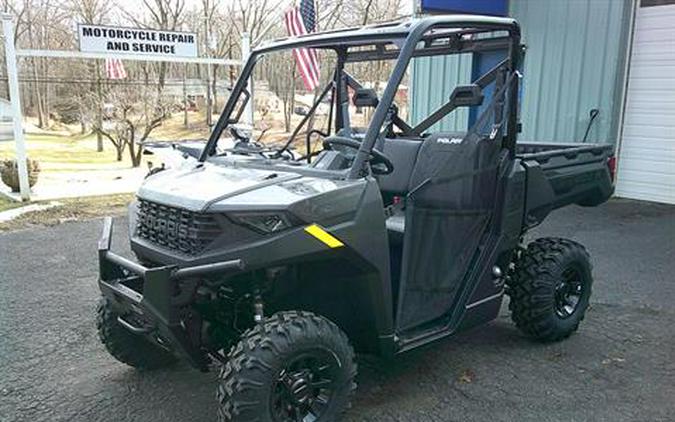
(447, 218)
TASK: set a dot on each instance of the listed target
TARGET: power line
(111, 82)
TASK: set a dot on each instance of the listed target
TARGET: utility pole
(245, 53)
(185, 96)
(209, 104)
(99, 108)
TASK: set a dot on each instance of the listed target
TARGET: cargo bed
(559, 174)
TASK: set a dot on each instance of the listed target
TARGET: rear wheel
(127, 347)
(550, 288)
(295, 366)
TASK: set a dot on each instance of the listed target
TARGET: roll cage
(400, 41)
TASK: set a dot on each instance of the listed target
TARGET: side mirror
(241, 132)
(365, 97)
(467, 96)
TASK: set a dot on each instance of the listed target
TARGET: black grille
(174, 228)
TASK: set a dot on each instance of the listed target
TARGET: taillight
(611, 165)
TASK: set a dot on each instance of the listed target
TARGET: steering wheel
(377, 156)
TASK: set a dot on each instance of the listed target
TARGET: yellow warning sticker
(327, 238)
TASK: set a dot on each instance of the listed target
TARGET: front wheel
(295, 366)
(550, 288)
(127, 347)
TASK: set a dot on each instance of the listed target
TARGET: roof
(386, 32)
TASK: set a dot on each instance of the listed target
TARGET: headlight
(265, 222)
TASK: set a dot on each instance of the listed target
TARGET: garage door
(647, 155)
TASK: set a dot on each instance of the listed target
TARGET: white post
(245, 53)
(12, 77)
(207, 45)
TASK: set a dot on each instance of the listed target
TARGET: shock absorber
(258, 309)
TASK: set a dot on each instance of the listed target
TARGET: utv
(278, 267)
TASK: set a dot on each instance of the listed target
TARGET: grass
(65, 149)
(8, 204)
(68, 150)
(61, 151)
(174, 129)
(71, 210)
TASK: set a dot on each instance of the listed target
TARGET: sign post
(12, 78)
(102, 42)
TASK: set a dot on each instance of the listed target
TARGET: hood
(196, 188)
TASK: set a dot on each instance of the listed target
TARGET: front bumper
(155, 302)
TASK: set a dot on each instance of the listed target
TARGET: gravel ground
(620, 366)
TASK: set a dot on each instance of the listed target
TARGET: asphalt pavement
(620, 366)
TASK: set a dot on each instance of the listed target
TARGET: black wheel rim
(568, 294)
(305, 387)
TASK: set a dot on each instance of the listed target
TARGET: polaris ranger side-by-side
(278, 267)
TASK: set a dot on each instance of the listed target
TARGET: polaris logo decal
(449, 141)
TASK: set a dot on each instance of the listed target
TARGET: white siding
(647, 155)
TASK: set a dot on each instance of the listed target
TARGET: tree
(160, 14)
(221, 39)
(9, 6)
(135, 114)
(93, 12)
(253, 16)
(282, 78)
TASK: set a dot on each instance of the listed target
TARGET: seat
(403, 153)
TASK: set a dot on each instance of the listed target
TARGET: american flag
(114, 69)
(301, 20)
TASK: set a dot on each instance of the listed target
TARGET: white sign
(110, 39)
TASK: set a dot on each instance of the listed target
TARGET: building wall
(430, 90)
(576, 52)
